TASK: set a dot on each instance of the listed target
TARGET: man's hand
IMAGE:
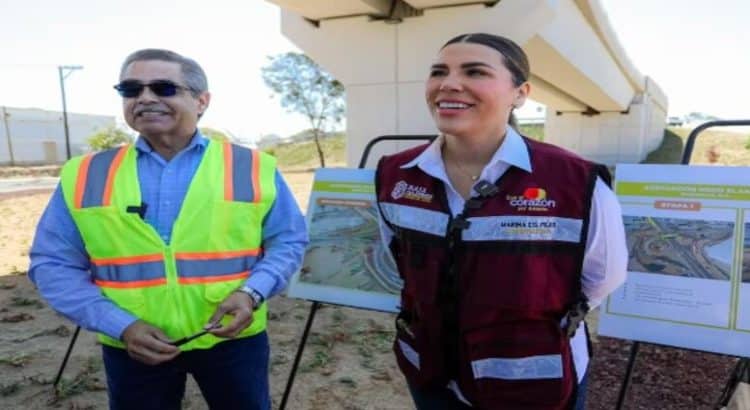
(237, 304)
(148, 344)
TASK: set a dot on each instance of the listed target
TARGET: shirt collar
(198, 140)
(513, 151)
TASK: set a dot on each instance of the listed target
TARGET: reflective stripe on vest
(409, 353)
(206, 267)
(238, 164)
(547, 366)
(417, 219)
(523, 228)
(96, 176)
(129, 272)
(487, 228)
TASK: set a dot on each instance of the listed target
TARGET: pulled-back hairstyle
(514, 58)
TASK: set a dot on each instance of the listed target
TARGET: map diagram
(346, 250)
(680, 247)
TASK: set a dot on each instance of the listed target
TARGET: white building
(31, 136)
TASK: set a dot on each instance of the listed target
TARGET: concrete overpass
(598, 103)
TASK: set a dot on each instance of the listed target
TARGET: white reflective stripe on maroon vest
(453, 386)
(547, 366)
(525, 228)
(410, 354)
(417, 219)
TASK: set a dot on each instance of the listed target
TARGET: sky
(697, 51)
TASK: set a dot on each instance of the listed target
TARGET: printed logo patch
(413, 192)
(399, 190)
(533, 199)
(535, 193)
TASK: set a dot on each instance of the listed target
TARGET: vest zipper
(171, 270)
(173, 289)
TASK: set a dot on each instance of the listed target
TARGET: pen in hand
(184, 340)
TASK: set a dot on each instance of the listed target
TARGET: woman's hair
(514, 58)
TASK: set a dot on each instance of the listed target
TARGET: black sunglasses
(162, 88)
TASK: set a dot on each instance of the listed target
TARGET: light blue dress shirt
(60, 263)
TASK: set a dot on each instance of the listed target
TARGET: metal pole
(298, 356)
(65, 112)
(694, 134)
(7, 135)
(67, 355)
(63, 75)
(628, 375)
(731, 384)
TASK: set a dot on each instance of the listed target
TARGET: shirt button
(164, 237)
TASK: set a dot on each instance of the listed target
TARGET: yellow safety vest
(216, 239)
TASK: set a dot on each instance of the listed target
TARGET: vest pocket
(419, 360)
(131, 300)
(528, 365)
(516, 282)
(215, 293)
(232, 219)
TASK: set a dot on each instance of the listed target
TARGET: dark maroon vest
(485, 292)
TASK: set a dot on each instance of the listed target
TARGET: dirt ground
(347, 362)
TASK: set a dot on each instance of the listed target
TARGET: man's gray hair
(193, 74)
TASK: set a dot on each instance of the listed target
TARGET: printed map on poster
(689, 258)
(346, 262)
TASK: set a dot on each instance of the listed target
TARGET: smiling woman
(471, 92)
(533, 239)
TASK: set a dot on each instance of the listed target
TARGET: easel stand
(687, 153)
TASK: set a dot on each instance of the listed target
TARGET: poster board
(688, 281)
(346, 262)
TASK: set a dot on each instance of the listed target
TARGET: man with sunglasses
(169, 248)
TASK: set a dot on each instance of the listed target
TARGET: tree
(109, 137)
(306, 89)
(214, 134)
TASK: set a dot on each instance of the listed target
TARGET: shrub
(107, 138)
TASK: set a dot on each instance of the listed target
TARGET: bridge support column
(609, 137)
(383, 60)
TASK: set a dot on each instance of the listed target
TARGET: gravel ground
(663, 378)
(356, 374)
